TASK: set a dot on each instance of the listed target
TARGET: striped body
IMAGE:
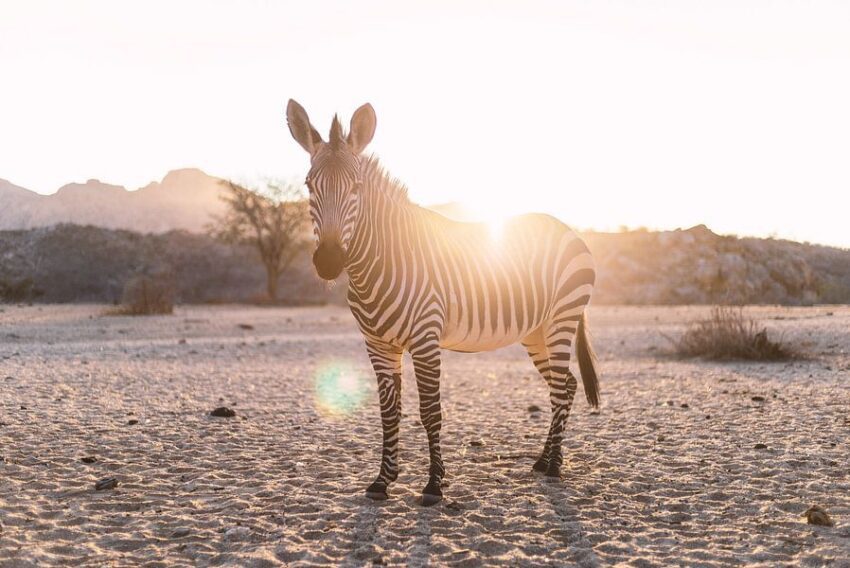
(480, 288)
(419, 282)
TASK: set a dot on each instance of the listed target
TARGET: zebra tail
(587, 363)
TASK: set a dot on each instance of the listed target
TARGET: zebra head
(334, 181)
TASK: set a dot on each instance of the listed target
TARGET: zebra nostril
(329, 259)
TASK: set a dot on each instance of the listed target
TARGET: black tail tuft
(587, 363)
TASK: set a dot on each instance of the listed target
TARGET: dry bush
(147, 295)
(729, 334)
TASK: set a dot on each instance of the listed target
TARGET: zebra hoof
(429, 499)
(553, 472)
(541, 466)
(377, 492)
(432, 494)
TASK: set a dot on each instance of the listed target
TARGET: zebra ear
(363, 123)
(301, 129)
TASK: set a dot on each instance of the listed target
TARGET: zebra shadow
(370, 533)
(566, 502)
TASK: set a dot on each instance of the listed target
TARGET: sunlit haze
(658, 114)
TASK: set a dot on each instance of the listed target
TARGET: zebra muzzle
(329, 260)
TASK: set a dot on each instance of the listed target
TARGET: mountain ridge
(185, 199)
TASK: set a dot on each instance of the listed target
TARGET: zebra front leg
(386, 360)
(426, 364)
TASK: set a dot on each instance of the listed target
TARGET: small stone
(757, 398)
(533, 408)
(685, 405)
(132, 422)
(476, 443)
(181, 532)
(106, 483)
(237, 533)
(760, 446)
(223, 412)
(23, 407)
(817, 516)
(245, 326)
(88, 459)
(661, 438)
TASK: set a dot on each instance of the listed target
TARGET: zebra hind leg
(562, 390)
(387, 364)
(535, 345)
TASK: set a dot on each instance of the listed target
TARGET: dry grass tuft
(729, 334)
(147, 295)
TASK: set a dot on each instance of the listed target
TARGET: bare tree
(274, 220)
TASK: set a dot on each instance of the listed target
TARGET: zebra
(420, 282)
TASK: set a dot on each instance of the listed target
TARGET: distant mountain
(184, 199)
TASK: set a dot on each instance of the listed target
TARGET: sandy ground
(667, 473)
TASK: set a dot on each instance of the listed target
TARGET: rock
(132, 422)
(533, 408)
(476, 443)
(106, 483)
(247, 326)
(684, 405)
(817, 516)
(23, 407)
(88, 459)
(757, 398)
(237, 533)
(760, 446)
(223, 412)
(181, 532)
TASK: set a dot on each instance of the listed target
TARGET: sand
(668, 473)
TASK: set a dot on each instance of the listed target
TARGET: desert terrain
(687, 463)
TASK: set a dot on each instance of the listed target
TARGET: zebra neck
(377, 235)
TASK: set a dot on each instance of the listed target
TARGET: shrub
(147, 295)
(728, 334)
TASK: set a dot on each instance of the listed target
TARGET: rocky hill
(697, 266)
(68, 263)
(183, 200)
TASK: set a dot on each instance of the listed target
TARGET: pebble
(817, 516)
(237, 533)
(88, 459)
(760, 446)
(181, 532)
(476, 443)
(132, 422)
(245, 326)
(533, 408)
(106, 483)
(223, 412)
(758, 398)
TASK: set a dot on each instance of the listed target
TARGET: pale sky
(659, 114)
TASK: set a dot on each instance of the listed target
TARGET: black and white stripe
(419, 282)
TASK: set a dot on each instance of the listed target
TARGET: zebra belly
(469, 345)
(474, 339)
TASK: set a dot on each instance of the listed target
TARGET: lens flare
(340, 388)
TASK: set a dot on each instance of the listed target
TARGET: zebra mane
(379, 183)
